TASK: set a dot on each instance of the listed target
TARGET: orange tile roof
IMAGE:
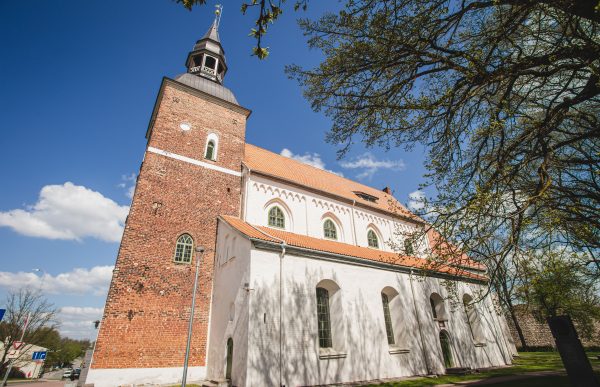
(310, 243)
(448, 251)
(284, 168)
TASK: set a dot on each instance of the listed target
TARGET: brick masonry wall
(149, 300)
(537, 334)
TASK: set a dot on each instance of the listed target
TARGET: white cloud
(313, 159)
(128, 184)
(68, 211)
(370, 165)
(78, 322)
(416, 200)
(79, 281)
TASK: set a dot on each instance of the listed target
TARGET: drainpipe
(354, 224)
(281, 256)
(246, 189)
(410, 276)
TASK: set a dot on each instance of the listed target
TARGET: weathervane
(218, 13)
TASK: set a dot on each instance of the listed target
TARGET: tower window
(323, 318)
(276, 217)
(388, 319)
(210, 150)
(198, 60)
(183, 249)
(210, 62)
(372, 239)
(329, 229)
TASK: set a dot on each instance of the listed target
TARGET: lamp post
(38, 270)
(199, 254)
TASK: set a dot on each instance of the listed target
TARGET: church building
(299, 282)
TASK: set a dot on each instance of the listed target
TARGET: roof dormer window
(366, 196)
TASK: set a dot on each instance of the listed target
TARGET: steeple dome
(207, 59)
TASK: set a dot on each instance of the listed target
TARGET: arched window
(331, 323)
(372, 239)
(408, 247)
(184, 248)
(433, 311)
(276, 217)
(212, 147)
(438, 309)
(329, 229)
(323, 318)
(389, 329)
(210, 150)
(473, 319)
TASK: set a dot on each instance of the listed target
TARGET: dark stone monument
(572, 353)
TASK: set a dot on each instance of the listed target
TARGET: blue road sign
(2, 313)
(38, 355)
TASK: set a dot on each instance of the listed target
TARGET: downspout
(410, 276)
(281, 256)
(354, 224)
(246, 193)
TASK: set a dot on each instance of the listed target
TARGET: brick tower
(190, 174)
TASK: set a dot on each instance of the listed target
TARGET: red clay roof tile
(310, 243)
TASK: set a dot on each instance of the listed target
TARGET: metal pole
(10, 365)
(199, 254)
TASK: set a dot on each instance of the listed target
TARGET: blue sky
(78, 81)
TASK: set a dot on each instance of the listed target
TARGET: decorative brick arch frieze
(277, 192)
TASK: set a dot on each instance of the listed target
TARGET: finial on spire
(218, 13)
(207, 58)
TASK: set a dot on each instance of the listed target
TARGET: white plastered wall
(229, 310)
(306, 211)
(367, 353)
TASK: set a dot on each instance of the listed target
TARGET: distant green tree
(51, 341)
(559, 284)
(71, 349)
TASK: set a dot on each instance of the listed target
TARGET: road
(43, 383)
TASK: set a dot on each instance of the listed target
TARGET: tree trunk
(513, 316)
(571, 352)
(515, 321)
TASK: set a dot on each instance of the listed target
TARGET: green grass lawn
(527, 362)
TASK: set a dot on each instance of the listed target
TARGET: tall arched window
(408, 247)
(323, 318)
(329, 229)
(276, 217)
(212, 147)
(433, 311)
(372, 239)
(473, 319)
(210, 150)
(331, 325)
(438, 308)
(184, 248)
(389, 329)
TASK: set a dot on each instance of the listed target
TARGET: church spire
(207, 59)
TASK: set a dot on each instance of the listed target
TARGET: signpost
(15, 351)
(2, 311)
(17, 347)
(39, 355)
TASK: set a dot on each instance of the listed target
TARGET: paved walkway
(38, 383)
